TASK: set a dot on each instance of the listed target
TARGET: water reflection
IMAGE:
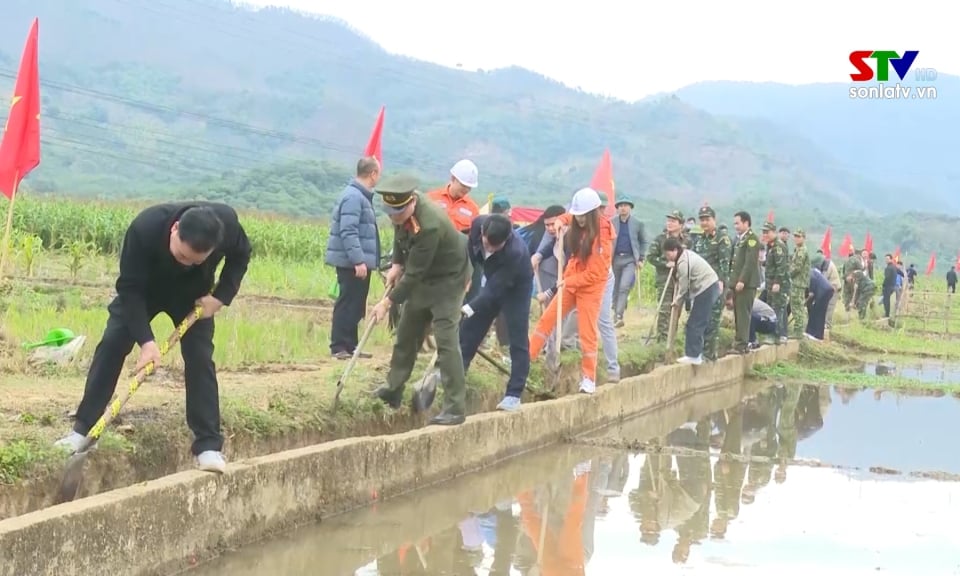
(575, 511)
(928, 372)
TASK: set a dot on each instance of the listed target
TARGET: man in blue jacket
(354, 250)
(819, 293)
(505, 286)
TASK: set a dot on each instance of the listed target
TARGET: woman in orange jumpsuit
(588, 242)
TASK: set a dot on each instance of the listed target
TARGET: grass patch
(845, 378)
(887, 341)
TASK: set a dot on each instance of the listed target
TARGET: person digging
(168, 261)
(429, 277)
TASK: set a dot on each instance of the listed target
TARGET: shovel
(73, 474)
(425, 391)
(656, 316)
(553, 362)
(356, 355)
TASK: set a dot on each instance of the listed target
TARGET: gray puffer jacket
(354, 238)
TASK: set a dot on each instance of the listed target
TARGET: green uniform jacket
(656, 257)
(746, 261)
(778, 268)
(864, 284)
(715, 249)
(852, 264)
(433, 255)
(800, 268)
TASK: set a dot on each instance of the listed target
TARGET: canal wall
(168, 524)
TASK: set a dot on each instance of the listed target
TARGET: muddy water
(927, 371)
(577, 509)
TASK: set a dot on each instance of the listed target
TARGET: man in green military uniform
(745, 277)
(777, 276)
(799, 281)
(854, 262)
(715, 249)
(865, 289)
(663, 270)
(429, 276)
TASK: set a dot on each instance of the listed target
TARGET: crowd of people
(454, 273)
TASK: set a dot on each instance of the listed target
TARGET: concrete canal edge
(167, 524)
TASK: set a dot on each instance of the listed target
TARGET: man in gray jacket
(699, 284)
(629, 250)
(354, 250)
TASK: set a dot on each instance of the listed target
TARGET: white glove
(467, 310)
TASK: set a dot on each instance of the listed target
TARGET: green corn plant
(80, 251)
(31, 247)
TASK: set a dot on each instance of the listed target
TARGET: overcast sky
(607, 47)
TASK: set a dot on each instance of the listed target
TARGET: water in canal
(730, 504)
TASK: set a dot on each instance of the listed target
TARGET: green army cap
(676, 215)
(499, 205)
(816, 260)
(626, 201)
(769, 227)
(397, 191)
(707, 212)
(799, 233)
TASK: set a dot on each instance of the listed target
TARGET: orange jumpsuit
(461, 211)
(563, 552)
(583, 286)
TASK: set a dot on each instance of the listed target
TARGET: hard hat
(465, 172)
(585, 200)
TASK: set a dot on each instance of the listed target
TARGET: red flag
(868, 243)
(20, 148)
(896, 255)
(602, 181)
(770, 216)
(374, 146)
(825, 243)
(846, 247)
(932, 263)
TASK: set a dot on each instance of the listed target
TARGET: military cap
(707, 212)
(722, 227)
(676, 215)
(799, 232)
(769, 227)
(623, 201)
(397, 191)
(816, 260)
(499, 205)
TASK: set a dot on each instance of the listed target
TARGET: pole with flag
(932, 263)
(868, 243)
(826, 243)
(20, 147)
(375, 145)
(602, 182)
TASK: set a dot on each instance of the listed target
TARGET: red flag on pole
(770, 216)
(20, 148)
(374, 146)
(896, 255)
(932, 263)
(846, 247)
(602, 181)
(868, 243)
(825, 243)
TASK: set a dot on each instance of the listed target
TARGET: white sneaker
(687, 360)
(588, 386)
(211, 461)
(73, 442)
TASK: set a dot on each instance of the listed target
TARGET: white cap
(465, 172)
(585, 200)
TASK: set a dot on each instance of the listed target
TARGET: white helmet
(585, 200)
(465, 172)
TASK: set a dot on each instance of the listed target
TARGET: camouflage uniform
(777, 272)
(664, 279)
(866, 289)
(799, 281)
(716, 250)
(853, 264)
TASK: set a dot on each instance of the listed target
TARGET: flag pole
(6, 231)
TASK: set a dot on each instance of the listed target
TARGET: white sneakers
(688, 360)
(209, 461)
(588, 386)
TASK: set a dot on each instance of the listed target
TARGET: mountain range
(269, 108)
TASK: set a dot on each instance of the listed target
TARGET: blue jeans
(760, 325)
(699, 319)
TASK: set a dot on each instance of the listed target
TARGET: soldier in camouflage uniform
(715, 248)
(853, 264)
(665, 280)
(777, 277)
(799, 281)
(866, 289)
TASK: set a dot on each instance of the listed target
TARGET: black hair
(784, 229)
(553, 211)
(671, 244)
(496, 229)
(200, 228)
(744, 216)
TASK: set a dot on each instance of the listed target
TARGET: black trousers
(817, 315)
(348, 310)
(515, 307)
(200, 373)
(887, 293)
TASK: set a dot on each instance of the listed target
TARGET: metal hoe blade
(425, 391)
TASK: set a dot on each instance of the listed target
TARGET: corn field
(76, 227)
